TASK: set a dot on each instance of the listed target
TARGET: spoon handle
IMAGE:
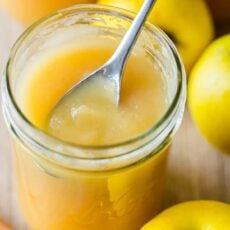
(119, 58)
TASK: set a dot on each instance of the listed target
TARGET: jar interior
(64, 28)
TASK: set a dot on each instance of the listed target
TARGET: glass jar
(66, 186)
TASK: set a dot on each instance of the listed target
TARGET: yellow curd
(61, 199)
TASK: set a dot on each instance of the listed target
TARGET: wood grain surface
(196, 170)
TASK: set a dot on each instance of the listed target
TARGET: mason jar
(68, 186)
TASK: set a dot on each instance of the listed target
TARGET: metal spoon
(112, 70)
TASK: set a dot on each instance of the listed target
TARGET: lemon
(188, 23)
(203, 215)
(209, 93)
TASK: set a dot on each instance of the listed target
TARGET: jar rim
(32, 134)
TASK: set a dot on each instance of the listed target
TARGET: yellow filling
(54, 197)
(89, 117)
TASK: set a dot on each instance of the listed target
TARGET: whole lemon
(209, 93)
(187, 22)
(192, 215)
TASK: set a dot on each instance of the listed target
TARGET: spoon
(111, 72)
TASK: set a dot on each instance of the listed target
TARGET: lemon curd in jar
(88, 164)
(56, 198)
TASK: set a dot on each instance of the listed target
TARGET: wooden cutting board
(196, 170)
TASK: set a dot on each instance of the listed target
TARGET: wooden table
(196, 170)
